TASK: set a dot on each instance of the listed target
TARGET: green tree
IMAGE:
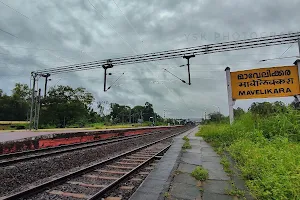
(238, 112)
(148, 111)
(16, 106)
(66, 106)
(215, 117)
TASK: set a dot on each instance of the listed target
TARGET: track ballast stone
(29, 173)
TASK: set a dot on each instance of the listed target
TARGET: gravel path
(22, 175)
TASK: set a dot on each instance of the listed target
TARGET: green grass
(266, 150)
(235, 191)
(186, 138)
(167, 195)
(200, 173)
(186, 145)
(226, 165)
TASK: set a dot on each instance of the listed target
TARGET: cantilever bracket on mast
(188, 64)
(105, 67)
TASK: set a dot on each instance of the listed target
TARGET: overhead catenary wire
(197, 50)
(8, 33)
(128, 21)
(175, 75)
(115, 81)
(14, 9)
(279, 58)
(286, 50)
(49, 51)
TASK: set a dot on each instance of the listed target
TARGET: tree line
(65, 106)
(258, 109)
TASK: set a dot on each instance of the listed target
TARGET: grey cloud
(75, 32)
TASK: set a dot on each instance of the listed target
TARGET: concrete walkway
(171, 177)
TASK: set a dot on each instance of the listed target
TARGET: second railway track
(9, 159)
(100, 179)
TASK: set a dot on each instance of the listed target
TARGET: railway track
(9, 159)
(98, 180)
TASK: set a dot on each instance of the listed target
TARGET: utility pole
(105, 67)
(35, 110)
(34, 76)
(38, 110)
(46, 82)
(129, 115)
(188, 64)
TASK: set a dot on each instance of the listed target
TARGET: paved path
(171, 176)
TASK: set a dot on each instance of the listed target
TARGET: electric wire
(14, 10)
(198, 50)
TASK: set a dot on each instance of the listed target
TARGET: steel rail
(102, 192)
(57, 181)
(73, 147)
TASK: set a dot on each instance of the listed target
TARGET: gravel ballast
(22, 175)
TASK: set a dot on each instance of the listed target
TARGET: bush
(200, 173)
(186, 145)
(266, 150)
(186, 138)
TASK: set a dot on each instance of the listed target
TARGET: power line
(128, 20)
(114, 29)
(286, 50)
(278, 58)
(14, 10)
(175, 76)
(197, 50)
(8, 33)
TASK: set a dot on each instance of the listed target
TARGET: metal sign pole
(229, 91)
(32, 101)
(297, 62)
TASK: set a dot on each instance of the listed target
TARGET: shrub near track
(266, 150)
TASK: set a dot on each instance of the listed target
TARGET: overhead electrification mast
(185, 53)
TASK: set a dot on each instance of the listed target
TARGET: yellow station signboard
(265, 82)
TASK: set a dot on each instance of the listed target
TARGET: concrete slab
(183, 186)
(211, 159)
(194, 142)
(152, 186)
(160, 174)
(184, 191)
(185, 178)
(215, 171)
(145, 195)
(158, 181)
(208, 151)
(191, 158)
(193, 150)
(212, 196)
(187, 168)
(216, 186)
(204, 144)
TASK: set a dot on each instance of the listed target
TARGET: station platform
(171, 177)
(23, 134)
(16, 141)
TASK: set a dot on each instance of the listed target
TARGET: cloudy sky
(37, 34)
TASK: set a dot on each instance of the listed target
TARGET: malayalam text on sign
(265, 82)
